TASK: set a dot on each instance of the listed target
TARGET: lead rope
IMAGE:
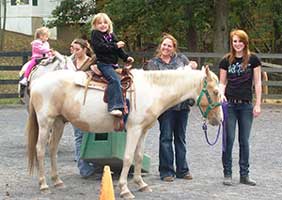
(223, 125)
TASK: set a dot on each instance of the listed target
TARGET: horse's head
(57, 62)
(209, 98)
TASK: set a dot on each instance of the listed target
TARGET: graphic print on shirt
(237, 75)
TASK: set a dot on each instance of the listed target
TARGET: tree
(2, 29)
(220, 28)
(277, 26)
(143, 21)
(198, 25)
(72, 12)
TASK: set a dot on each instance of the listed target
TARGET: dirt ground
(204, 163)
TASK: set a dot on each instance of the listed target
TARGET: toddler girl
(40, 49)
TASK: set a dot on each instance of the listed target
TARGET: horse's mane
(169, 77)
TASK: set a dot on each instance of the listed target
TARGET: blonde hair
(102, 16)
(243, 36)
(174, 42)
(41, 31)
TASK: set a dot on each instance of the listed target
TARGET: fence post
(264, 87)
(25, 59)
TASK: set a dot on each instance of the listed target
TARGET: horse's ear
(203, 68)
(207, 70)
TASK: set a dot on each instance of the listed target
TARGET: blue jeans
(114, 93)
(173, 128)
(85, 168)
(243, 114)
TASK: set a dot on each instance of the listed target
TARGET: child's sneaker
(117, 113)
(24, 81)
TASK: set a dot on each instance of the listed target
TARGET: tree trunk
(220, 29)
(0, 24)
(191, 32)
(2, 36)
(100, 4)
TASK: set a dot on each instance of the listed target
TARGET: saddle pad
(81, 80)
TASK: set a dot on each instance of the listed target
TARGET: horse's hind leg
(44, 131)
(138, 158)
(53, 147)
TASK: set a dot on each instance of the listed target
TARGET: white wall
(19, 17)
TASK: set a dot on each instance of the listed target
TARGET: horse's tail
(32, 136)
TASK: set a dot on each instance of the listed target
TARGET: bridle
(211, 106)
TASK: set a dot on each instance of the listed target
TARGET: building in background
(24, 16)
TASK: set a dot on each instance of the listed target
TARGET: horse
(55, 99)
(57, 62)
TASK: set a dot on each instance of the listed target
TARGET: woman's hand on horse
(193, 64)
(53, 52)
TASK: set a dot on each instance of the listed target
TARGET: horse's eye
(216, 92)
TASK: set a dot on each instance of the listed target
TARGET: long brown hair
(84, 44)
(166, 36)
(243, 36)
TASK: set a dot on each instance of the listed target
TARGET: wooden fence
(202, 58)
(24, 58)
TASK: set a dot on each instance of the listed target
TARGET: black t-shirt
(239, 81)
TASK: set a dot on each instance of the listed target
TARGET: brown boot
(168, 179)
(188, 176)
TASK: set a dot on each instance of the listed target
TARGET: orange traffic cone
(107, 189)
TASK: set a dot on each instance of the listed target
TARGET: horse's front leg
(54, 143)
(132, 137)
(138, 158)
(40, 149)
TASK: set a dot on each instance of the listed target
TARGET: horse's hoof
(45, 190)
(60, 185)
(127, 195)
(146, 188)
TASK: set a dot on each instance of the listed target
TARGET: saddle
(96, 80)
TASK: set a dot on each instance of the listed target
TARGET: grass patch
(5, 75)
(11, 101)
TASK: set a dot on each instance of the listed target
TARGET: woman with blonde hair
(172, 122)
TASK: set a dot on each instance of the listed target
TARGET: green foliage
(140, 23)
(72, 12)
(150, 18)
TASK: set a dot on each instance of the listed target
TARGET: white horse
(56, 99)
